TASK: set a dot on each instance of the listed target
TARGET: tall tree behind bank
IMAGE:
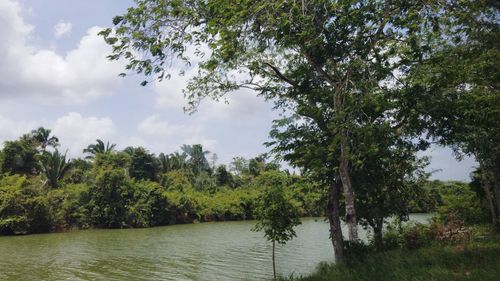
(321, 53)
(452, 95)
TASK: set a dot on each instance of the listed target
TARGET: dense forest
(41, 190)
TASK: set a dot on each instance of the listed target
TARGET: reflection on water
(207, 251)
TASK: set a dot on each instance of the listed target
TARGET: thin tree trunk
(345, 175)
(485, 182)
(274, 262)
(496, 195)
(335, 226)
(496, 187)
(378, 235)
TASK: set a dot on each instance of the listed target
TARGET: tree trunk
(377, 234)
(485, 182)
(335, 226)
(496, 187)
(345, 175)
(274, 262)
(496, 195)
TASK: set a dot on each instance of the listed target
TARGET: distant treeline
(42, 191)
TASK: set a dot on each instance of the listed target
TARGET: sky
(54, 73)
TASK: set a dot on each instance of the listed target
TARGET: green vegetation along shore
(476, 259)
(41, 190)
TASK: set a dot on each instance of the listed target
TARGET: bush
(416, 235)
(409, 236)
(356, 251)
(456, 199)
(175, 180)
(453, 231)
(24, 207)
(150, 206)
(392, 238)
(465, 206)
(109, 198)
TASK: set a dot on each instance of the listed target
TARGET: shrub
(392, 238)
(416, 235)
(176, 180)
(453, 231)
(24, 207)
(109, 198)
(465, 207)
(356, 251)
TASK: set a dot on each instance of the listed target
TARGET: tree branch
(281, 75)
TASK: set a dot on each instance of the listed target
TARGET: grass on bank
(478, 259)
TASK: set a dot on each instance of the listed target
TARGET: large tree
(452, 95)
(303, 54)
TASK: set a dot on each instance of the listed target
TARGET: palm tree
(54, 166)
(43, 138)
(178, 161)
(197, 157)
(165, 162)
(99, 147)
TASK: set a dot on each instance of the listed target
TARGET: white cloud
(10, 129)
(155, 127)
(162, 136)
(62, 28)
(170, 91)
(76, 132)
(42, 75)
(238, 104)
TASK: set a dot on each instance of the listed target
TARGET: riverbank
(478, 259)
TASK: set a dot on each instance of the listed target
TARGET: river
(204, 251)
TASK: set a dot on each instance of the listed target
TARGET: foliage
(119, 160)
(222, 176)
(23, 206)
(476, 260)
(19, 157)
(109, 198)
(196, 158)
(276, 215)
(176, 180)
(98, 147)
(143, 165)
(310, 196)
(387, 177)
(464, 204)
(54, 166)
(43, 138)
(452, 96)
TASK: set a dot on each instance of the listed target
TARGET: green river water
(205, 251)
